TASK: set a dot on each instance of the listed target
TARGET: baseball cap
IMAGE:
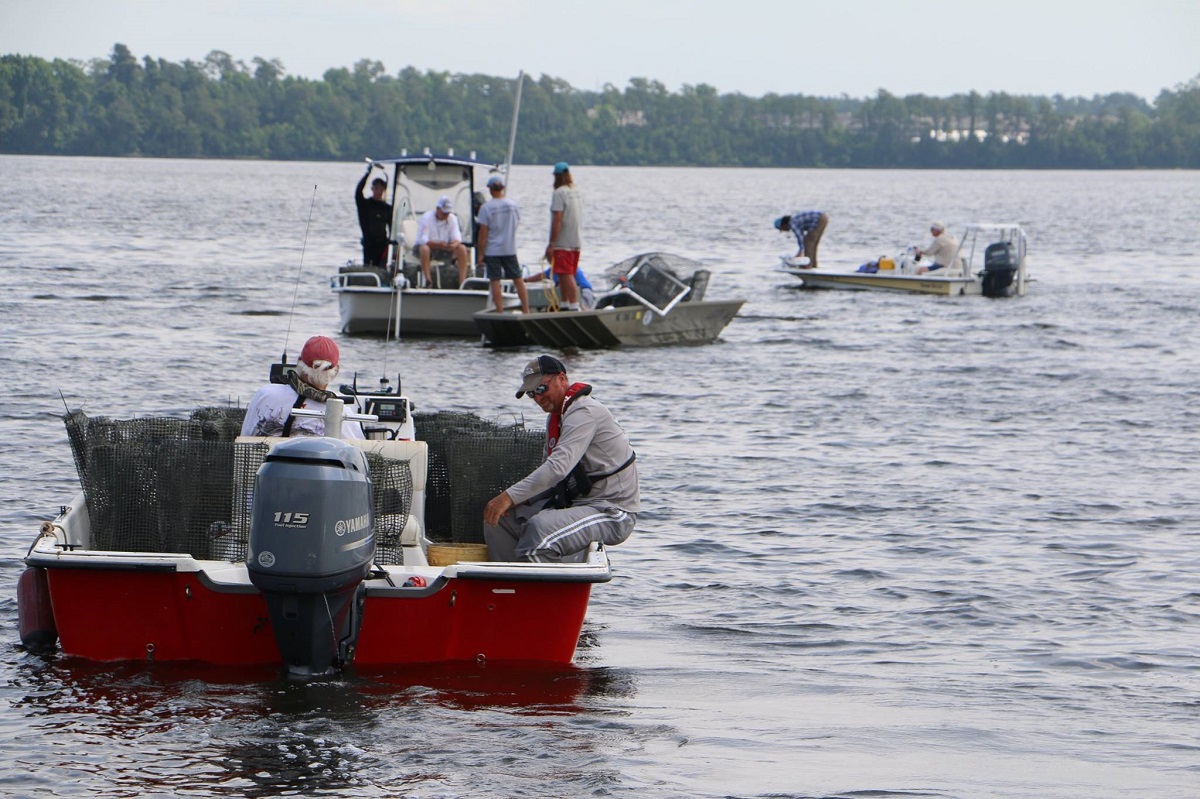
(779, 222)
(320, 353)
(936, 226)
(496, 181)
(538, 368)
(561, 166)
(444, 204)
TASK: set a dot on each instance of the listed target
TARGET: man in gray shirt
(566, 222)
(585, 490)
(497, 243)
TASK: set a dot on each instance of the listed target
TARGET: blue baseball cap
(779, 222)
(561, 166)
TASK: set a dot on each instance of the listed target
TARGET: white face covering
(319, 374)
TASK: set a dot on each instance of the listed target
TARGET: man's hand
(497, 506)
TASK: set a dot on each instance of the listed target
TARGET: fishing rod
(281, 370)
(299, 271)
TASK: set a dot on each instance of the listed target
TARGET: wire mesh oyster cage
(657, 280)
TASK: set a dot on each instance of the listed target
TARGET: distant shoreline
(220, 109)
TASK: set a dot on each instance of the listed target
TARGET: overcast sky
(827, 49)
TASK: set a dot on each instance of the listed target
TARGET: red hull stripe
(121, 615)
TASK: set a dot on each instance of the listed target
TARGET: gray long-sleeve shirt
(591, 434)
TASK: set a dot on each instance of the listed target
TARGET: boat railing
(355, 276)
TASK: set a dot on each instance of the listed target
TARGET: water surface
(891, 546)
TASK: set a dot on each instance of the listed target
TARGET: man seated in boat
(807, 227)
(270, 410)
(585, 490)
(438, 232)
(941, 251)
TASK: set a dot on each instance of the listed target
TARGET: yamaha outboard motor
(999, 269)
(312, 542)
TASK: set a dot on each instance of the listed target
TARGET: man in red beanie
(270, 410)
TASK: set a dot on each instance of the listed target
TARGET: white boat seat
(408, 232)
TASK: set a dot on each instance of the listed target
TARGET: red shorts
(566, 262)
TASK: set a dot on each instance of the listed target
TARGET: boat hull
(605, 328)
(422, 312)
(874, 281)
(124, 614)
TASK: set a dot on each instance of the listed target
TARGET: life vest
(555, 425)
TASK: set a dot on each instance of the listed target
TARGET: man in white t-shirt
(270, 410)
(438, 231)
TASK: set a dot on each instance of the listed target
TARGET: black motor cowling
(312, 543)
(1000, 263)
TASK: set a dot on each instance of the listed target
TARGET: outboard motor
(999, 269)
(312, 542)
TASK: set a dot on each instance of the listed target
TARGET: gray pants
(528, 532)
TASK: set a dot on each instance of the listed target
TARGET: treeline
(223, 108)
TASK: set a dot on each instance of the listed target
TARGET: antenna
(512, 133)
(296, 290)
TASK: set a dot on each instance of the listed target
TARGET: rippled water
(892, 546)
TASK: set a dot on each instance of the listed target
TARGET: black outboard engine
(312, 542)
(999, 269)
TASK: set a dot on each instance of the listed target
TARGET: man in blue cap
(807, 227)
(566, 221)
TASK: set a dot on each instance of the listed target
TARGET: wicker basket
(449, 554)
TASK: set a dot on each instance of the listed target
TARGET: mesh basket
(183, 485)
(471, 460)
(391, 494)
(155, 484)
(657, 277)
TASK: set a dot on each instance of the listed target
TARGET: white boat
(990, 261)
(192, 543)
(395, 300)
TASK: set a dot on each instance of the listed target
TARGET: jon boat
(395, 300)
(655, 299)
(191, 543)
(990, 262)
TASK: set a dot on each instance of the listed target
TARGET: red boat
(190, 543)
